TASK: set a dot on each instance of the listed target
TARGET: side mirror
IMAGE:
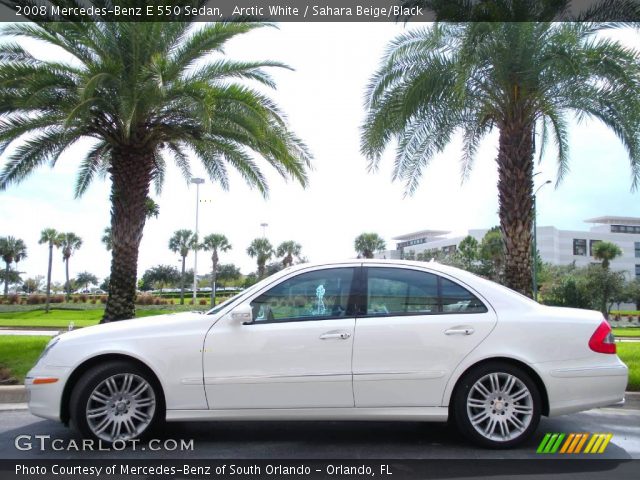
(242, 314)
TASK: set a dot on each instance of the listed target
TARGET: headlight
(50, 345)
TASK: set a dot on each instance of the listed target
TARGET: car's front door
(415, 329)
(296, 353)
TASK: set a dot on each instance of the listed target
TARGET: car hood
(134, 326)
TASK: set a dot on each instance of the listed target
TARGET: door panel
(413, 336)
(296, 353)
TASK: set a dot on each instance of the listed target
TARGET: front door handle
(335, 335)
(459, 331)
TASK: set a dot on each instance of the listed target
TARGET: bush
(36, 299)
(202, 301)
(57, 299)
(13, 299)
(144, 299)
(75, 299)
(84, 297)
(94, 301)
(103, 298)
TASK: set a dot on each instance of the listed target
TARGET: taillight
(602, 340)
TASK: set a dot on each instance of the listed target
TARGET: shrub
(172, 302)
(144, 299)
(13, 299)
(202, 301)
(84, 297)
(56, 299)
(103, 298)
(35, 299)
(94, 301)
(75, 299)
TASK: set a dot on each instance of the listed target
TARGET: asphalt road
(324, 440)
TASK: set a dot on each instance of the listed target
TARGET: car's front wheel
(497, 405)
(116, 401)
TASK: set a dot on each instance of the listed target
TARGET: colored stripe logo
(574, 443)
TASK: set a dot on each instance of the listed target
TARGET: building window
(637, 249)
(593, 243)
(449, 250)
(625, 228)
(637, 272)
(579, 246)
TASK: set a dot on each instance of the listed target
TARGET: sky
(323, 100)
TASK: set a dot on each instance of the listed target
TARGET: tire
(126, 402)
(501, 416)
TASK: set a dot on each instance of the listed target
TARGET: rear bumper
(581, 388)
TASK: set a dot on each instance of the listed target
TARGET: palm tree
(146, 93)
(368, 243)
(262, 250)
(69, 242)
(107, 239)
(288, 250)
(11, 250)
(86, 278)
(181, 243)
(521, 78)
(153, 210)
(606, 251)
(50, 237)
(215, 243)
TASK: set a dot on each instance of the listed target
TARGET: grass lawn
(61, 318)
(19, 353)
(627, 332)
(630, 354)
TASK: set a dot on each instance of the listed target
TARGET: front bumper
(45, 399)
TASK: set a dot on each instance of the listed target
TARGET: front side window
(317, 295)
(395, 291)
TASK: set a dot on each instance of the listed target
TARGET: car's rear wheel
(497, 405)
(116, 401)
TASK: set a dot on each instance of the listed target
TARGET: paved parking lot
(324, 440)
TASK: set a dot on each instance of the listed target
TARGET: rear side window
(397, 291)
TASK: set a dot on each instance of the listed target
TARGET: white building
(558, 247)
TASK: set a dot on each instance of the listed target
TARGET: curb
(13, 394)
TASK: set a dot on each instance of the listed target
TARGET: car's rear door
(415, 327)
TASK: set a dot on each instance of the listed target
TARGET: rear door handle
(459, 331)
(335, 335)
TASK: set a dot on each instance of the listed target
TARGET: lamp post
(534, 252)
(197, 182)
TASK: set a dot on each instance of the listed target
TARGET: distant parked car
(359, 340)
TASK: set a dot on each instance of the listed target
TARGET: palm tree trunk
(515, 197)
(130, 172)
(49, 268)
(68, 285)
(182, 282)
(214, 274)
(6, 279)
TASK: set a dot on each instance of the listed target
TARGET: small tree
(262, 250)
(181, 243)
(49, 236)
(85, 279)
(289, 250)
(603, 286)
(468, 251)
(606, 251)
(161, 276)
(12, 250)
(228, 272)
(69, 243)
(215, 243)
(366, 244)
(492, 255)
(32, 285)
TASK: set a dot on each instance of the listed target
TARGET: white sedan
(358, 340)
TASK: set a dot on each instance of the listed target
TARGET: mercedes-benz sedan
(358, 340)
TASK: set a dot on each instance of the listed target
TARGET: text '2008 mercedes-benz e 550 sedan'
(357, 340)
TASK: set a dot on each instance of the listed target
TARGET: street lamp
(197, 182)
(534, 252)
